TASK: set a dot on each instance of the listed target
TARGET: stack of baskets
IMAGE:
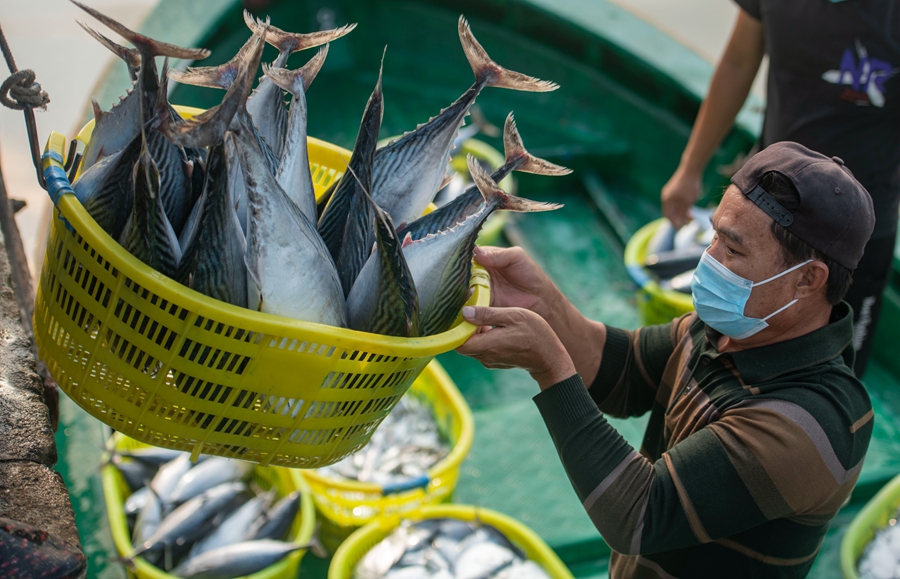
(171, 367)
(655, 304)
(115, 491)
(345, 505)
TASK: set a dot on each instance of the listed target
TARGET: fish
(113, 130)
(213, 258)
(213, 472)
(148, 519)
(235, 560)
(190, 519)
(275, 523)
(235, 528)
(130, 56)
(135, 473)
(148, 235)
(668, 264)
(404, 447)
(28, 552)
(446, 548)
(169, 475)
(441, 263)
(455, 211)
(152, 455)
(290, 272)
(293, 169)
(383, 299)
(136, 500)
(409, 171)
(346, 225)
(266, 105)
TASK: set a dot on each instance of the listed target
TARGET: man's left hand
(517, 338)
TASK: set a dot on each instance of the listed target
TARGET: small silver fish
(235, 560)
(211, 473)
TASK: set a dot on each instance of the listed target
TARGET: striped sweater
(746, 458)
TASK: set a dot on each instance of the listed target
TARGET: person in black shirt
(834, 86)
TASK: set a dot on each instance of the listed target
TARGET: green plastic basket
(873, 517)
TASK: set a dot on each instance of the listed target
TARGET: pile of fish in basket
(225, 204)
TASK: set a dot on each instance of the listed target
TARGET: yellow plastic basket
(359, 543)
(872, 518)
(345, 505)
(655, 305)
(115, 491)
(171, 367)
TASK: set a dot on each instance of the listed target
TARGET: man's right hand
(516, 280)
(679, 195)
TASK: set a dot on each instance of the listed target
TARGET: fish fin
(446, 180)
(153, 47)
(485, 127)
(98, 112)
(131, 56)
(292, 42)
(491, 73)
(407, 240)
(514, 149)
(493, 193)
(221, 76)
(294, 81)
(208, 128)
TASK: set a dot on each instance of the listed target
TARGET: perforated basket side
(361, 541)
(115, 491)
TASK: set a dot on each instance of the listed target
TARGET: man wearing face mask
(758, 427)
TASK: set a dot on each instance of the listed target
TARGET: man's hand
(679, 195)
(513, 337)
(516, 280)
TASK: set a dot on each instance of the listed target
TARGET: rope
(23, 91)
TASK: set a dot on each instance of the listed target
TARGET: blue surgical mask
(720, 296)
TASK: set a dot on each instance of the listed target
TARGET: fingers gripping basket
(171, 367)
(360, 542)
(345, 505)
(115, 491)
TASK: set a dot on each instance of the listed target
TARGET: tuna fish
(517, 159)
(235, 560)
(441, 263)
(409, 171)
(290, 271)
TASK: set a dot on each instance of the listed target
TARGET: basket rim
(885, 500)
(380, 527)
(71, 209)
(453, 459)
(635, 251)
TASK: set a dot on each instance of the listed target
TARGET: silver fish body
(169, 475)
(211, 473)
(234, 529)
(148, 519)
(136, 501)
(276, 522)
(235, 560)
(290, 271)
(190, 520)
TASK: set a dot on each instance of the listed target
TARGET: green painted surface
(629, 95)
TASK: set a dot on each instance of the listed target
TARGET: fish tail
(221, 76)
(292, 42)
(494, 195)
(131, 56)
(492, 74)
(296, 81)
(146, 45)
(526, 162)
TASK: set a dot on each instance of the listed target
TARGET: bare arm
(728, 90)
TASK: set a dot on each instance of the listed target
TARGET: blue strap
(414, 483)
(57, 182)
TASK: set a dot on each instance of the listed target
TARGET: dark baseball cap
(835, 215)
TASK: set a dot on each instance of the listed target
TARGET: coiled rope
(20, 92)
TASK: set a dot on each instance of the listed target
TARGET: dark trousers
(864, 296)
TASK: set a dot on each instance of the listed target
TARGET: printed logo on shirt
(865, 76)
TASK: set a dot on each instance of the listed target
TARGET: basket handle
(55, 178)
(414, 483)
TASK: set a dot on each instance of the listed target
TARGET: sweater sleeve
(756, 463)
(751, 7)
(633, 365)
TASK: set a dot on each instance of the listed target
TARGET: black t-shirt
(834, 86)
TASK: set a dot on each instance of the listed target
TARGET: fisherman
(758, 427)
(833, 86)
